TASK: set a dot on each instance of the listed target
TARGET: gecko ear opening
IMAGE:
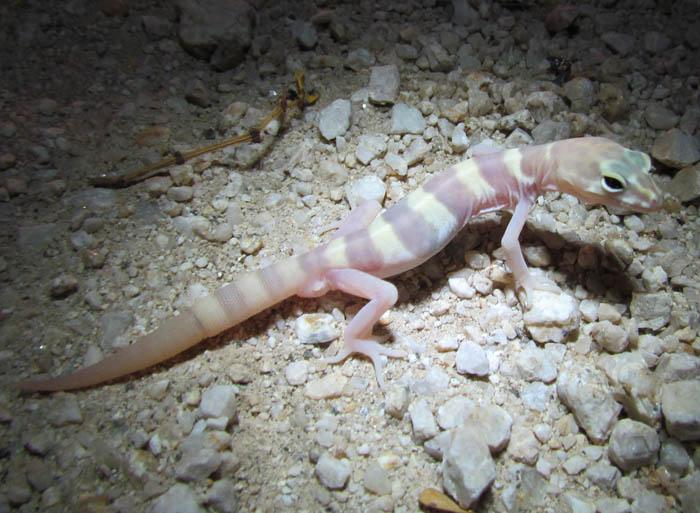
(613, 183)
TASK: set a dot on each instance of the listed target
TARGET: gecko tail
(175, 335)
(247, 295)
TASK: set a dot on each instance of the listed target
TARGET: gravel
(584, 399)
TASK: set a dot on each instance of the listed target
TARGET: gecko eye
(613, 183)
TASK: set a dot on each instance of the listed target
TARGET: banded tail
(249, 294)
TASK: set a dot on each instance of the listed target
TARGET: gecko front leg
(514, 254)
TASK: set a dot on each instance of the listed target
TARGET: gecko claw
(371, 348)
(533, 283)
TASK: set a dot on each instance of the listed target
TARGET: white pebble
(296, 373)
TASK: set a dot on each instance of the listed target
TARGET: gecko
(373, 244)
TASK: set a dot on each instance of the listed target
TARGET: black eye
(613, 183)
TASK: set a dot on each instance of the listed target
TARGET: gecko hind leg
(358, 336)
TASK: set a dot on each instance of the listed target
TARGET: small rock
(685, 184)
(63, 286)
(370, 147)
(197, 465)
(460, 287)
(359, 59)
(535, 365)
(613, 101)
(536, 396)
(656, 42)
(219, 401)
(635, 386)
(459, 139)
(467, 467)
(423, 420)
(406, 52)
(659, 117)
(543, 432)
(438, 59)
(396, 163)
(651, 310)
(39, 475)
(523, 446)
(377, 480)
(198, 94)
(674, 457)
(296, 373)
(471, 359)
(40, 443)
(332, 473)
(480, 103)
(156, 26)
(676, 149)
(64, 410)
(560, 17)
(610, 337)
(573, 503)
(619, 43)
(677, 367)
(47, 106)
(521, 119)
(406, 120)
(7, 160)
(494, 422)
(603, 474)
(305, 34)
(464, 14)
(159, 389)
(335, 119)
(17, 491)
(681, 409)
(551, 316)
(575, 465)
(633, 444)
(544, 105)
(437, 446)
(180, 194)
(537, 256)
(367, 188)
(81, 240)
(218, 32)
(550, 130)
(223, 497)
(454, 411)
(416, 152)
(689, 495)
(316, 328)
(384, 84)
(612, 505)
(453, 112)
(655, 278)
(396, 402)
(585, 392)
(180, 498)
(328, 387)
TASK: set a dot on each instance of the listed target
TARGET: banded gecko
(372, 244)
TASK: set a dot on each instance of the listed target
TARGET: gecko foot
(535, 282)
(371, 348)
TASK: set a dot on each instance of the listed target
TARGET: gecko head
(597, 170)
